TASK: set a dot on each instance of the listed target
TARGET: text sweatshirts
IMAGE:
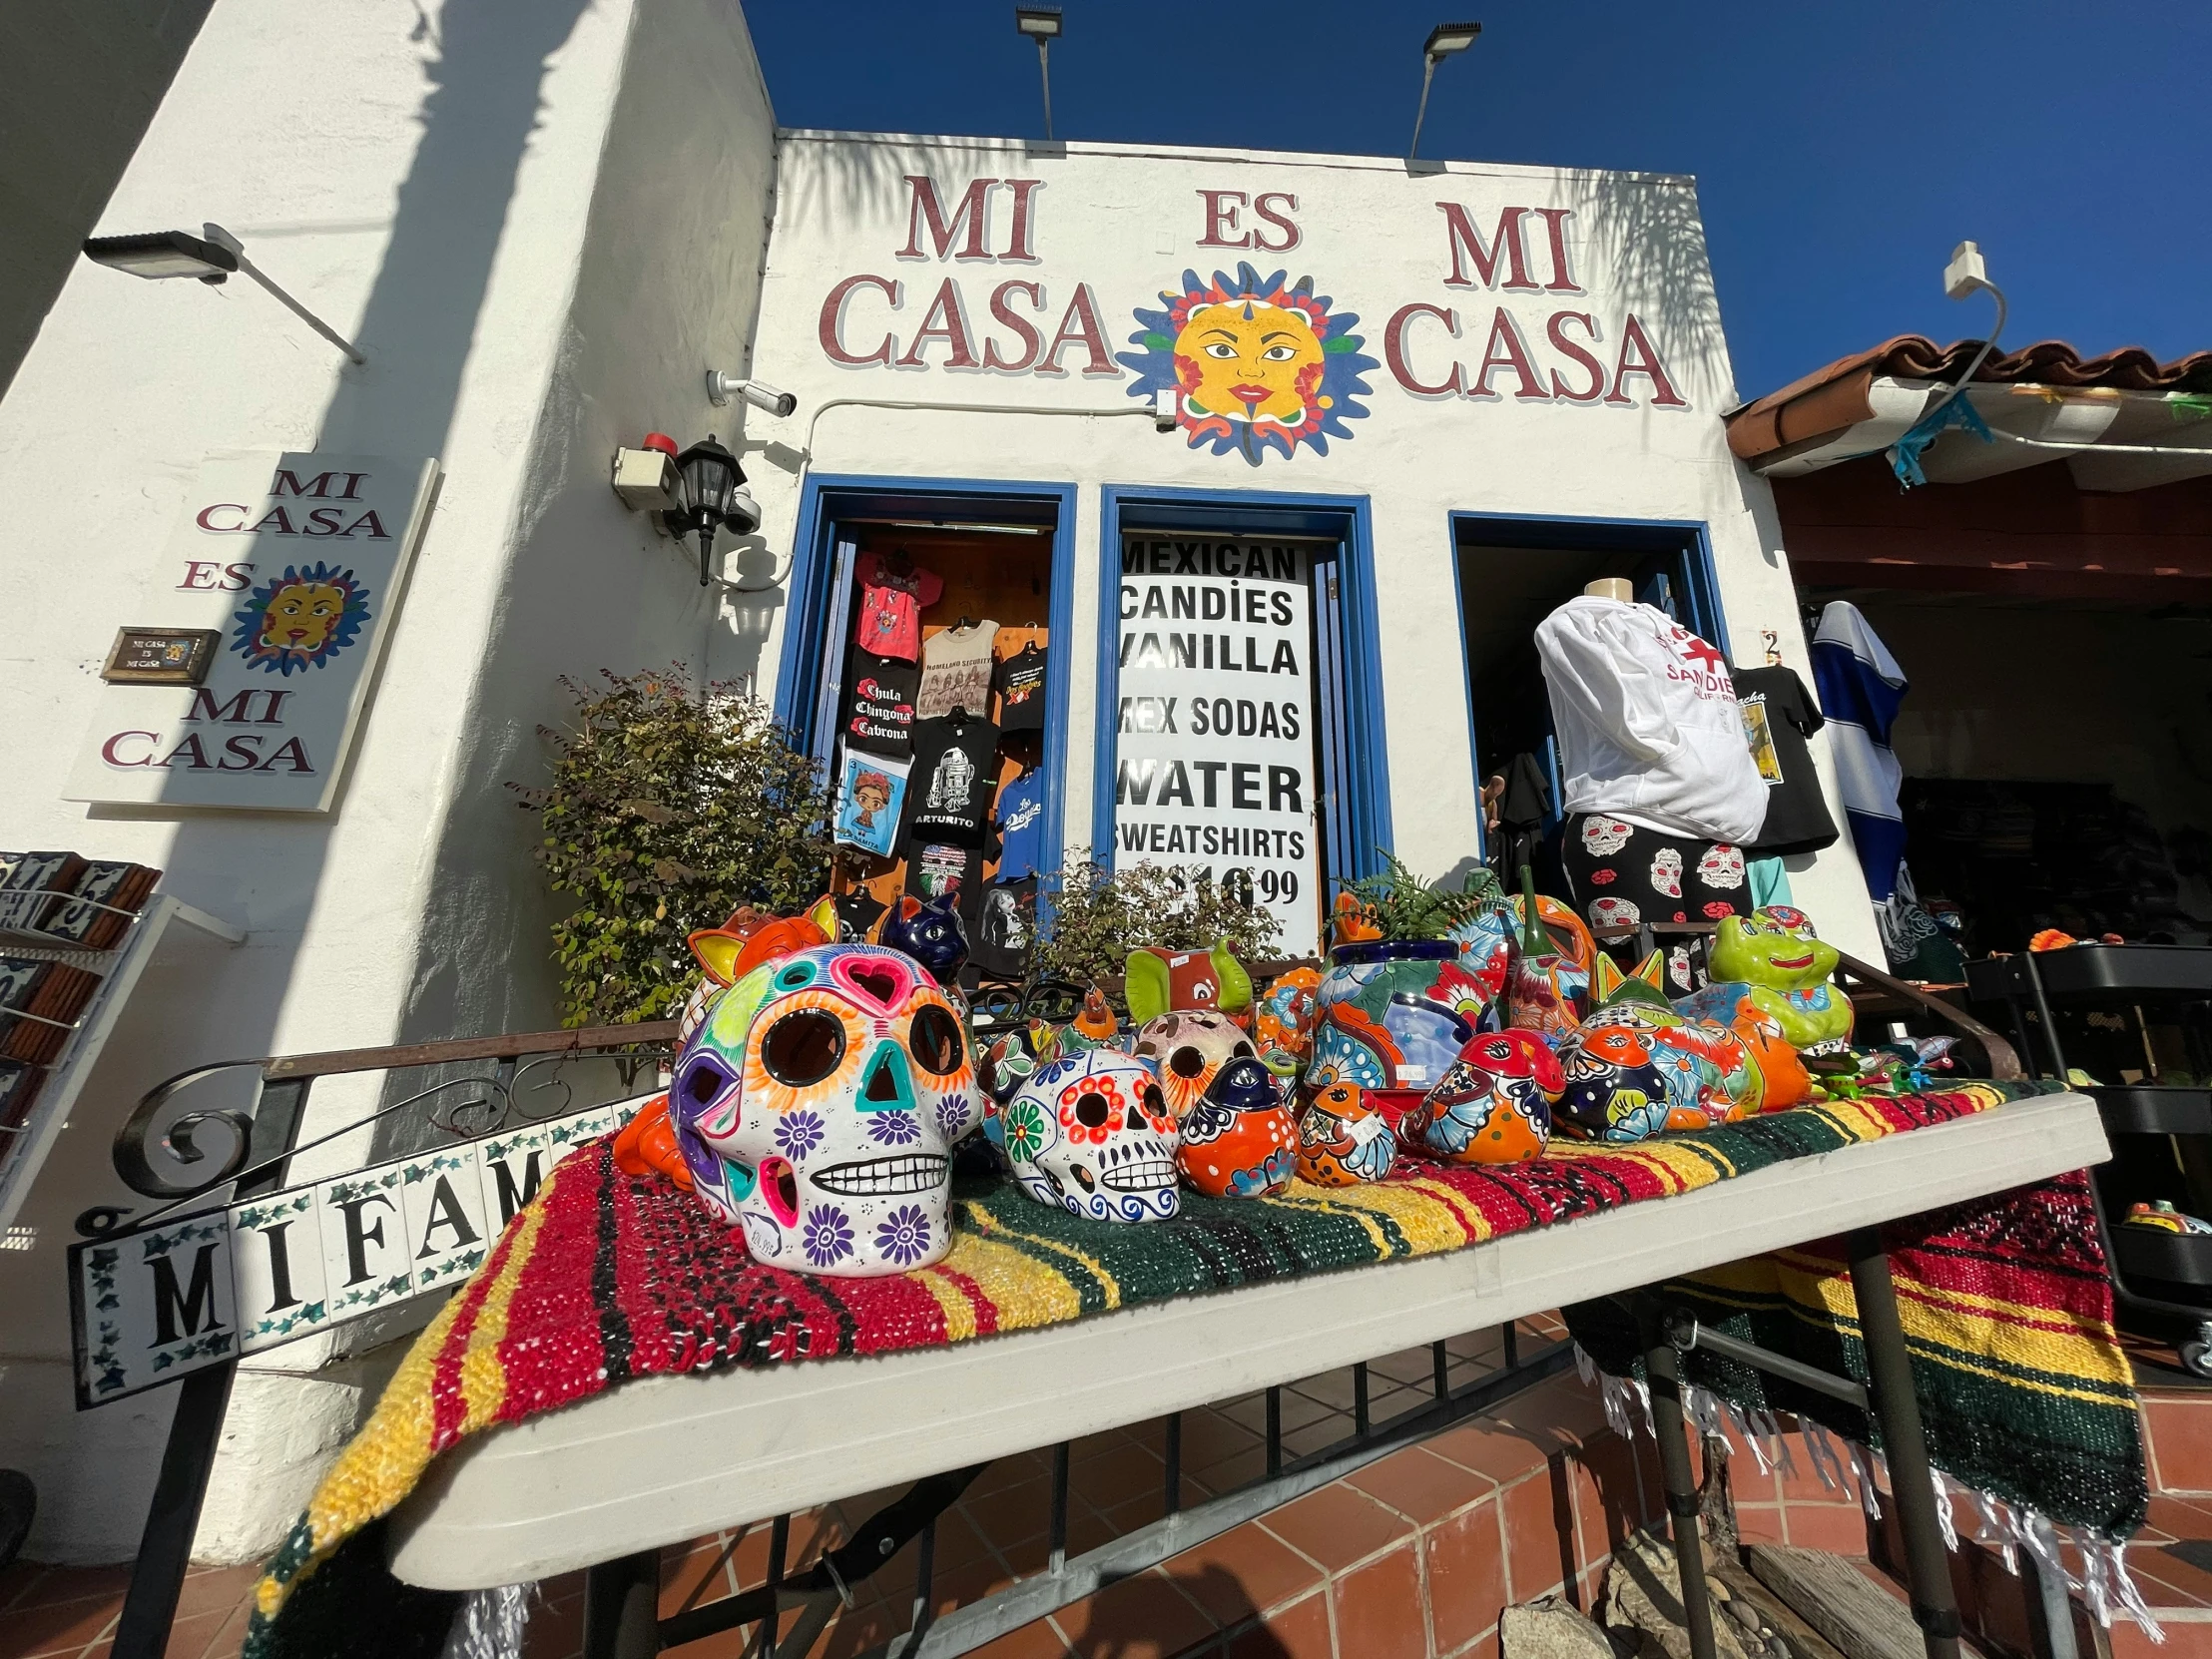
(1647, 722)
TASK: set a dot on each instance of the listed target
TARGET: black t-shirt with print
(859, 911)
(1006, 929)
(1019, 682)
(879, 707)
(935, 869)
(956, 776)
(1778, 718)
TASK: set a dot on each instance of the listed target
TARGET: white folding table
(660, 1460)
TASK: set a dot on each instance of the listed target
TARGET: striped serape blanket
(605, 1277)
(2026, 1401)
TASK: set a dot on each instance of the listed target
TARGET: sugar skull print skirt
(1624, 873)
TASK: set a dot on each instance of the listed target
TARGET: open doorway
(1513, 573)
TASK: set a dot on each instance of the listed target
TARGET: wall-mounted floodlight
(166, 253)
(720, 388)
(1042, 25)
(1444, 40)
(1968, 274)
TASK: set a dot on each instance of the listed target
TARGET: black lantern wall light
(714, 494)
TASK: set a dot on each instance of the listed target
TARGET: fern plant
(1408, 908)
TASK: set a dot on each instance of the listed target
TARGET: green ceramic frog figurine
(1784, 968)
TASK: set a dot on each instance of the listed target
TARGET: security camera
(766, 399)
(743, 513)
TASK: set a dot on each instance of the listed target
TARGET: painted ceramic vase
(1190, 1050)
(1341, 1140)
(1283, 1021)
(1010, 1059)
(1547, 989)
(1388, 1014)
(1492, 1105)
(1241, 1141)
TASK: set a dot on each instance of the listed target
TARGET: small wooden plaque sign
(161, 656)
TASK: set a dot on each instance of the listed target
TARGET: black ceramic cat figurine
(932, 934)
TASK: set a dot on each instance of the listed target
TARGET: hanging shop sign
(1215, 758)
(158, 1302)
(295, 563)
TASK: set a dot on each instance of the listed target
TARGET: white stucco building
(544, 223)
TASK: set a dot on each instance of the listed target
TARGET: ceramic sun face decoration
(1776, 961)
(1494, 1106)
(1341, 1140)
(1189, 1049)
(816, 1105)
(1092, 1135)
(1241, 1140)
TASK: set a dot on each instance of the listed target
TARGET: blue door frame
(1360, 816)
(1690, 539)
(828, 498)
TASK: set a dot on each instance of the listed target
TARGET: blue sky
(1841, 151)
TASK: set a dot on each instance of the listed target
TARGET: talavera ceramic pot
(1385, 1017)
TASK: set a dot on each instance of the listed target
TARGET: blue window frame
(809, 676)
(1356, 788)
(1669, 562)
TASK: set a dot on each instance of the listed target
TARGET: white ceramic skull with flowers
(1094, 1135)
(816, 1103)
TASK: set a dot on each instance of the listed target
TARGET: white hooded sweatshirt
(1648, 726)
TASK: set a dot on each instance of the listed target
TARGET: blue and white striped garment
(1860, 686)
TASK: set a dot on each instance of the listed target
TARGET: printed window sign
(150, 1306)
(1215, 758)
(297, 563)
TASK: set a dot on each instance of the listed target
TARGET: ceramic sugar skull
(1492, 1106)
(1189, 1049)
(1341, 1140)
(816, 1104)
(1092, 1134)
(1613, 1088)
(1241, 1141)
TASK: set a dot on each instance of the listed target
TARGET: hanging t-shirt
(1647, 722)
(956, 671)
(956, 775)
(870, 791)
(1778, 718)
(1003, 933)
(1019, 682)
(932, 870)
(1022, 826)
(857, 913)
(891, 603)
(879, 713)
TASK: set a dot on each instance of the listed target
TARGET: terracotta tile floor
(997, 1534)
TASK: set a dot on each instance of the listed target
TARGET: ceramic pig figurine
(1341, 1140)
(1492, 1105)
(1241, 1140)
